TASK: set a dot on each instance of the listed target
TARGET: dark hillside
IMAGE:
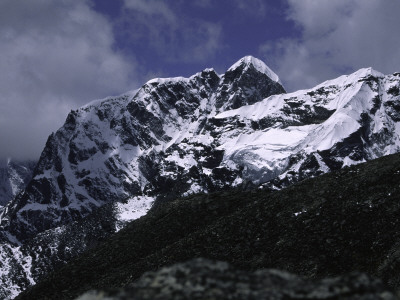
(334, 224)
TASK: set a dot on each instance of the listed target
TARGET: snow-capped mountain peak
(246, 82)
(259, 65)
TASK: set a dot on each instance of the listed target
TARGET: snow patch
(11, 256)
(132, 209)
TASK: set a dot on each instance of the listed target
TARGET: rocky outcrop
(14, 177)
(205, 279)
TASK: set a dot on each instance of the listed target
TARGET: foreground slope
(204, 279)
(326, 226)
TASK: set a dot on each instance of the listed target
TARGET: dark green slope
(333, 224)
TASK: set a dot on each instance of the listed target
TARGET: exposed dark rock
(245, 85)
(14, 177)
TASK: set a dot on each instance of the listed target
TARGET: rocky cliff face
(14, 177)
(147, 144)
(179, 136)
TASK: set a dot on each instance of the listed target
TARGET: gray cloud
(153, 8)
(171, 34)
(55, 56)
(336, 37)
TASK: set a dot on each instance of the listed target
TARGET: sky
(59, 55)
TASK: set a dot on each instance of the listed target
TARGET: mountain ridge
(120, 156)
(100, 138)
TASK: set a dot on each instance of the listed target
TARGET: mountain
(115, 158)
(14, 177)
(327, 226)
(152, 143)
(179, 136)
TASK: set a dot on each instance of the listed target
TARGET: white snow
(299, 212)
(347, 161)
(167, 80)
(133, 209)
(194, 188)
(275, 143)
(6, 270)
(99, 102)
(323, 167)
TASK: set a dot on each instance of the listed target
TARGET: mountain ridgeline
(115, 158)
(128, 147)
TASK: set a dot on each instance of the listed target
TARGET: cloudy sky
(59, 55)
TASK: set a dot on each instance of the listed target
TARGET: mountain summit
(252, 62)
(246, 82)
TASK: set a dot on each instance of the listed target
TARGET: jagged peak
(258, 64)
(99, 102)
(167, 80)
(180, 78)
(351, 78)
(207, 72)
(364, 72)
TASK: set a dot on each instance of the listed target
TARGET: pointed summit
(247, 81)
(259, 65)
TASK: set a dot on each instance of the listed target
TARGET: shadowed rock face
(14, 176)
(205, 279)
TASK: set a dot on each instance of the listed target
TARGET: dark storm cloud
(337, 37)
(55, 55)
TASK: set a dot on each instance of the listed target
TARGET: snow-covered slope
(177, 136)
(344, 121)
(14, 176)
